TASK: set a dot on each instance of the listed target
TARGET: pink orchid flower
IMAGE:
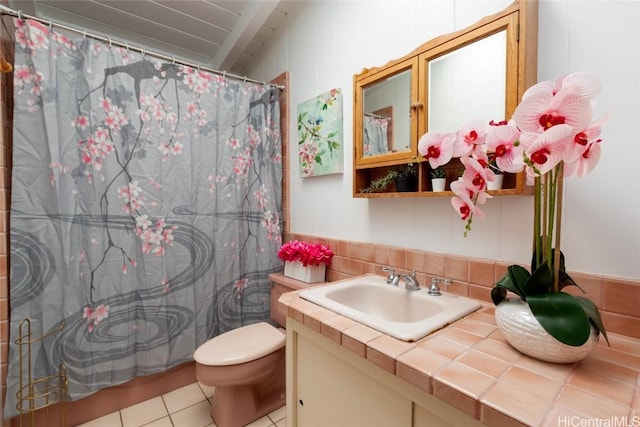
(542, 110)
(588, 85)
(585, 163)
(462, 201)
(436, 147)
(475, 175)
(471, 136)
(582, 140)
(545, 150)
(504, 142)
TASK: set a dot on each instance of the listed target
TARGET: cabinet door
(331, 393)
(385, 114)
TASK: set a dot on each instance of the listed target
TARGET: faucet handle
(392, 274)
(434, 289)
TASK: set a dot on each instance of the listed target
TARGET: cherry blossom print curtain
(375, 135)
(145, 211)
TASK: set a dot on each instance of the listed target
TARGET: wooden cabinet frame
(520, 20)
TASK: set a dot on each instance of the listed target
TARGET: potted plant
(305, 261)
(438, 179)
(404, 176)
(551, 136)
(496, 184)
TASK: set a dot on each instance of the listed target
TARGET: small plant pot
(438, 184)
(497, 184)
(406, 183)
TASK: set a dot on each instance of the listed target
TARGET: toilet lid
(240, 345)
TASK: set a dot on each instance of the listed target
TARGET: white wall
(326, 42)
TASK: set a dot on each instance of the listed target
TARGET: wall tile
(455, 287)
(434, 264)
(481, 293)
(382, 255)
(398, 257)
(342, 248)
(355, 250)
(621, 324)
(482, 272)
(415, 260)
(456, 267)
(369, 252)
(355, 267)
(621, 297)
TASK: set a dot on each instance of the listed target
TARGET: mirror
(385, 125)
(386, 122)
(466, 83)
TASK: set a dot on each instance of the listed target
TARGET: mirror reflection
(387, 118)
(468, 82)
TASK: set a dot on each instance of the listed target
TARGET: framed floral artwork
(320, 145)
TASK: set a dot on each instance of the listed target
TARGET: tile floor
(185, 407)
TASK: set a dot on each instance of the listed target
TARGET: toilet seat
(240, 345)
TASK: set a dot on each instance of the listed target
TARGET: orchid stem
(550, 212)
(537, 209)
(556, 254)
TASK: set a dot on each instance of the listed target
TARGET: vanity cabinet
(328, 385)
(480, 72)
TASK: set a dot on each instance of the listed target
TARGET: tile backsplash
(617, 299)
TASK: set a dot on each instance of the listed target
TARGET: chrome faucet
(392, 278)
(410, 281)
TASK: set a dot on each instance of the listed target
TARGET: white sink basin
(402, 314)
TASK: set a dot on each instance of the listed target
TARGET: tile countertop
(469, 365)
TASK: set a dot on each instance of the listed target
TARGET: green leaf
(562, 316)
(512, 281)
(566, 280)
(540, 282)
(534, 266)
(300, 118)
(519, 277)
(594, 315)
(498, 294)
(332, 134)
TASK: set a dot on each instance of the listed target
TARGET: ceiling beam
(246, 27)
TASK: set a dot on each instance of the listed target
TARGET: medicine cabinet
(477, 72)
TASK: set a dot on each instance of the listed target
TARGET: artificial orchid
(305, 252)
(550, 136)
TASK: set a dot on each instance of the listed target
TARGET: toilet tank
(280, 285)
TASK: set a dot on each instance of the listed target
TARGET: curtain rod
(19, 14)
(377, 116)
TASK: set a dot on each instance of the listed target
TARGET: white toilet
(247, 367)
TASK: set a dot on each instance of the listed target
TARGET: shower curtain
(145, 211)
(375, 135)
